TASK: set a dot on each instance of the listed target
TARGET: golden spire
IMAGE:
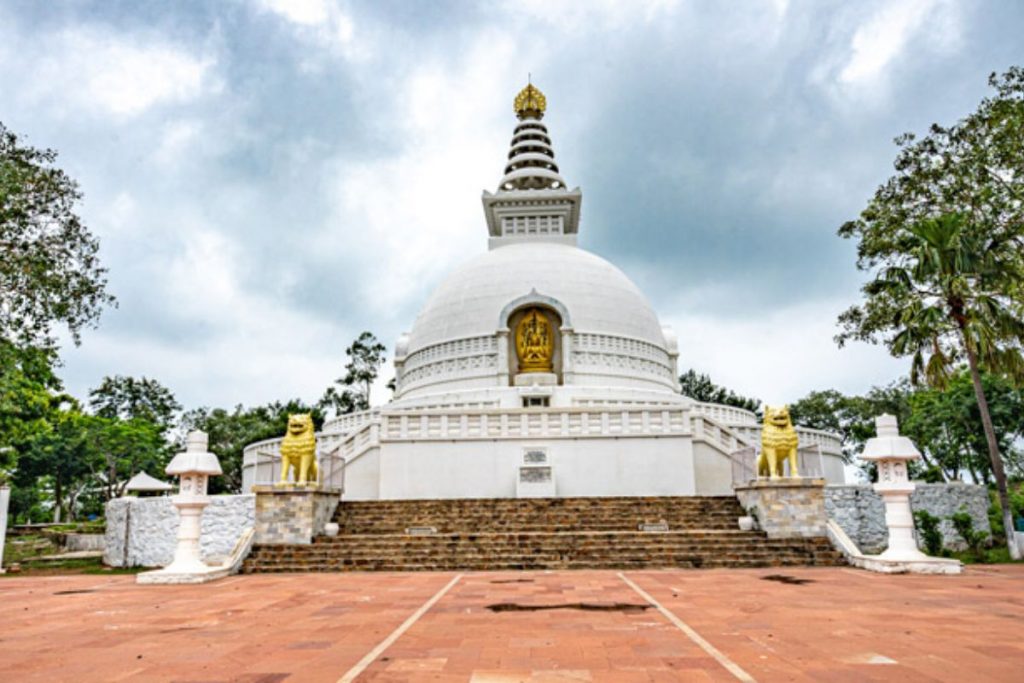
(530, 102)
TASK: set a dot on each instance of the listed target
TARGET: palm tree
(953, 295)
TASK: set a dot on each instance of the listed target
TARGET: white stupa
(591, 408)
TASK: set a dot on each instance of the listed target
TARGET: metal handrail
(744, 465)
(809, 461)
(328, 474)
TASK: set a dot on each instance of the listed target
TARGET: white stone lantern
(194, 468)
(892, 453)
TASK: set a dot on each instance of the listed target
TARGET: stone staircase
(545, 533)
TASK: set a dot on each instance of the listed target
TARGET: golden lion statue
(298, 450)
(778, 443)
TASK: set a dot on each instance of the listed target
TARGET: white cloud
(322, 23)
(882, 38)
(178, 140)
(305, 12)
(409, 218)
(780, 355)
(99, 71)
(862, 68)
(235, 345)
(593, 14)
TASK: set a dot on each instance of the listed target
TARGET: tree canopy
(943, 240)
(230, 431)
(129, 398)
(699, 387)
(851, 417)
(50, 273)
(351, 392)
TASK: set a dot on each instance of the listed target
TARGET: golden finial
(530, 102)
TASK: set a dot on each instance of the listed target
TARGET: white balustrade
(263, 458)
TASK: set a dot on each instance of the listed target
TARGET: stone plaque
(534, 475)
(535, 457)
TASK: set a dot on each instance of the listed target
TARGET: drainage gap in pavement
(513, 581)
(585, 606)
(783, 578)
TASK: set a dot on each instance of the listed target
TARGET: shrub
(927, 526)
(928, 530)
(975, 540)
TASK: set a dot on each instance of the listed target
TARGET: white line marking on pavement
(396, 634)
(730, 666)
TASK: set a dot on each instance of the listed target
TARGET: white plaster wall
(713, 471)
(153, 529)
(488, 469)
(362, 477)
(834, 469)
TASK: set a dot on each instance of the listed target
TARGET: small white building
(587, 405)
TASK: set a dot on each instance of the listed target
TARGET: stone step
(379, 551)
(517, 565)
(552, 533)
(566, 547)
(611, 533)
(471, 562)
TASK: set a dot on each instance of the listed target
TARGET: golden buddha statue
(535, 343)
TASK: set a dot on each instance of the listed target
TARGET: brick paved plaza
(831, 624)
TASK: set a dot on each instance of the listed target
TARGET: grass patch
(82, 565)
(25, 548)
(996, 555)
(97, 527)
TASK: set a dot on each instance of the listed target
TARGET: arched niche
(537, 299)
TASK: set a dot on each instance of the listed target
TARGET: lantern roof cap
(195, 459)
(889, 445)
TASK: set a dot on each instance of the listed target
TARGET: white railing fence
(337, 450)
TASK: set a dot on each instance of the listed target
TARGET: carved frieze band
(470, 357)
(609, 351)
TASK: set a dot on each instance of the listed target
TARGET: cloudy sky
(270, 178)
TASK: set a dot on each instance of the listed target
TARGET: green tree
(699, 387)
(56, 457)
(946, 424)
(944, 239)
(852, 417)
(50, 271)
(29, 394)
(128, 398)
(351, 392)
(119, 449)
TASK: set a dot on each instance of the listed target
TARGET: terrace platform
(812, 624)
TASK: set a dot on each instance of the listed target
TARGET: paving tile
(843, 625)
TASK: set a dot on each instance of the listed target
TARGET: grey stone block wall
(153, 529)
(287, 515)
(786, 508)
(861, 512)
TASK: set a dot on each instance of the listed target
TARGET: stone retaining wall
(786, 508)
(861, 513)
(286, 515)
(153, 529)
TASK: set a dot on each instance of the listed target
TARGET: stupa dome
(617, 340)
(598, 297)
